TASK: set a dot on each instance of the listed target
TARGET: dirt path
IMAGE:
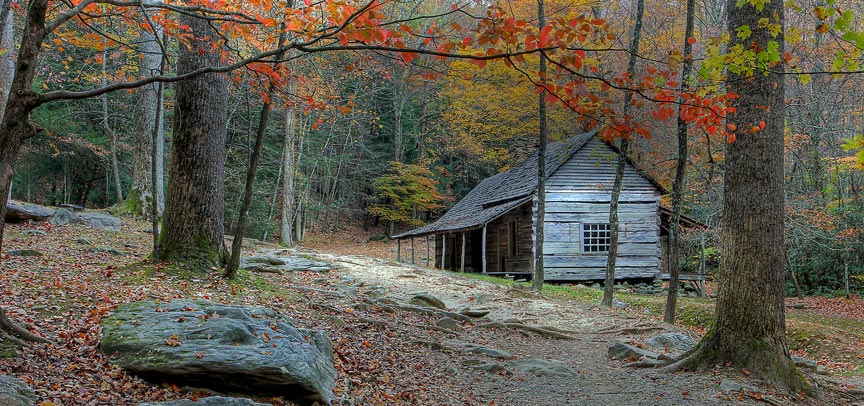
(597, 380)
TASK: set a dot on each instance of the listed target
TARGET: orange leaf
(691, 40)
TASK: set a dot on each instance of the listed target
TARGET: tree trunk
(538, 274)
(608, 288)
(286, 235)
(750, 330)
(149, 114)
(7, 52)
(112, 136)
(193, 230)
(15, 125)
(263, 120)
(680, 172)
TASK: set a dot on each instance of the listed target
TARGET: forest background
(374, 140)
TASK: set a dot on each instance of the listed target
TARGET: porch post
(462, 266)
(412, 250)
(427, 251)
(398, 250)
(484, 248)
(443, 251)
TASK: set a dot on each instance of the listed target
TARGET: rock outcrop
(241, 349)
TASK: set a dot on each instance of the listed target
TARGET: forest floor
(385, 355)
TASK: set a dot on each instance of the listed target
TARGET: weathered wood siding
(498, 256)
(579, 193)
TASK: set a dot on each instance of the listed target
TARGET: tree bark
(193, 231)
(7, 52)
(286, 235)
(609, 284)
(680, 172)
(750, 327)
(149, 115)
(538, 274)
(112, 136)
(15, 126)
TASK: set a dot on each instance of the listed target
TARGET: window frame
(584, 244)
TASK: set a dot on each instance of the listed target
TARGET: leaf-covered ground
(383, 357)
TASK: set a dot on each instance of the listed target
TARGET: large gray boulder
(62, 217)
(15, 393)
(208, 401)
(227, 348)
(18, 212)
(99, 220)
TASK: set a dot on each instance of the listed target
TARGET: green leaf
(743, 32)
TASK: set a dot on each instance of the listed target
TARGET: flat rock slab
(624, 351)
(98, 220)
(18, 212)
(240, 349)
(542, 367)
(208, 401)
(25, 253)
(274, 264)
(13, 392)
(670, 340)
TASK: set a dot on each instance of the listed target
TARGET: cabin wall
(579, 193)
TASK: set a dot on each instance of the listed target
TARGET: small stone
(483, 350)
(83, 241)
(625, 351)
(346, 290)
(730, 386)
(110, 251)
(25, 253)
(447, 323)
(542, 367)
(596, 286)
(645, 291)
(671, 340)
(35, 232)
(425, 299)
(619, 304)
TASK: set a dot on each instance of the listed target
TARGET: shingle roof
(497, 195)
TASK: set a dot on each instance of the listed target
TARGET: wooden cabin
(492, 229)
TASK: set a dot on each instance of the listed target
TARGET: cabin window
(511, 228)
(595, 238)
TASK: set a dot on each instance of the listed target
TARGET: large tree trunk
(193, 230)
(15, 125)
(750, 331)
(609, 285)
(141, 190)
(7, 51)
(680, 171)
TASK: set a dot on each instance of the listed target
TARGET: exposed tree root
(528, 328)
(16, 332)
(767, 362)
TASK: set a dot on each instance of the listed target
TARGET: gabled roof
(498, 194)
